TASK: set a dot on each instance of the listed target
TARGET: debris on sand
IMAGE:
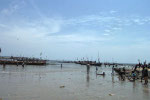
(111, 94)
(62, 86)
(0, 98)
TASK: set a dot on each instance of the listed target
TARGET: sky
(114, 30)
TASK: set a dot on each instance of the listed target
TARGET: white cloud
(9, 11)
(39, 28)
(116, 28)
(3, 25)
(75, 38)
(113, 11)
(139, 21)
(12, 8)
(107, 30)
(95, 19)
(106, 34)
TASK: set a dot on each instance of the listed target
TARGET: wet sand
(69, 83)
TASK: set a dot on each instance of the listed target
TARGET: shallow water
(44, 82)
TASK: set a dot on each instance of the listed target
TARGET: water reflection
(4, 67)
(113, 80)
(87, 76)
(87, 80)
(134, 84)
(146, 91)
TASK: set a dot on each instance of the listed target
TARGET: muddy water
(69, 83)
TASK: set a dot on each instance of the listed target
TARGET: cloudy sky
(117, 30)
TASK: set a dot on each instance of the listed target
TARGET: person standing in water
(61, 66)
(146, 76)
(142, 73)
(112, 70)
(23, 64)
(124, 71)
(4, 65)
(17, 63)
(96, 69)
(88, 68)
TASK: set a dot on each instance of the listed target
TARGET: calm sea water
(69, 83)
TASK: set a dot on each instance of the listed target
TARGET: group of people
(135, 74)
(144, 67)
(132, 76)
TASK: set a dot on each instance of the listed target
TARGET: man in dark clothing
(135, 68)
(124, 70)
(142, 74)
(121, 73)
(146, 76)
